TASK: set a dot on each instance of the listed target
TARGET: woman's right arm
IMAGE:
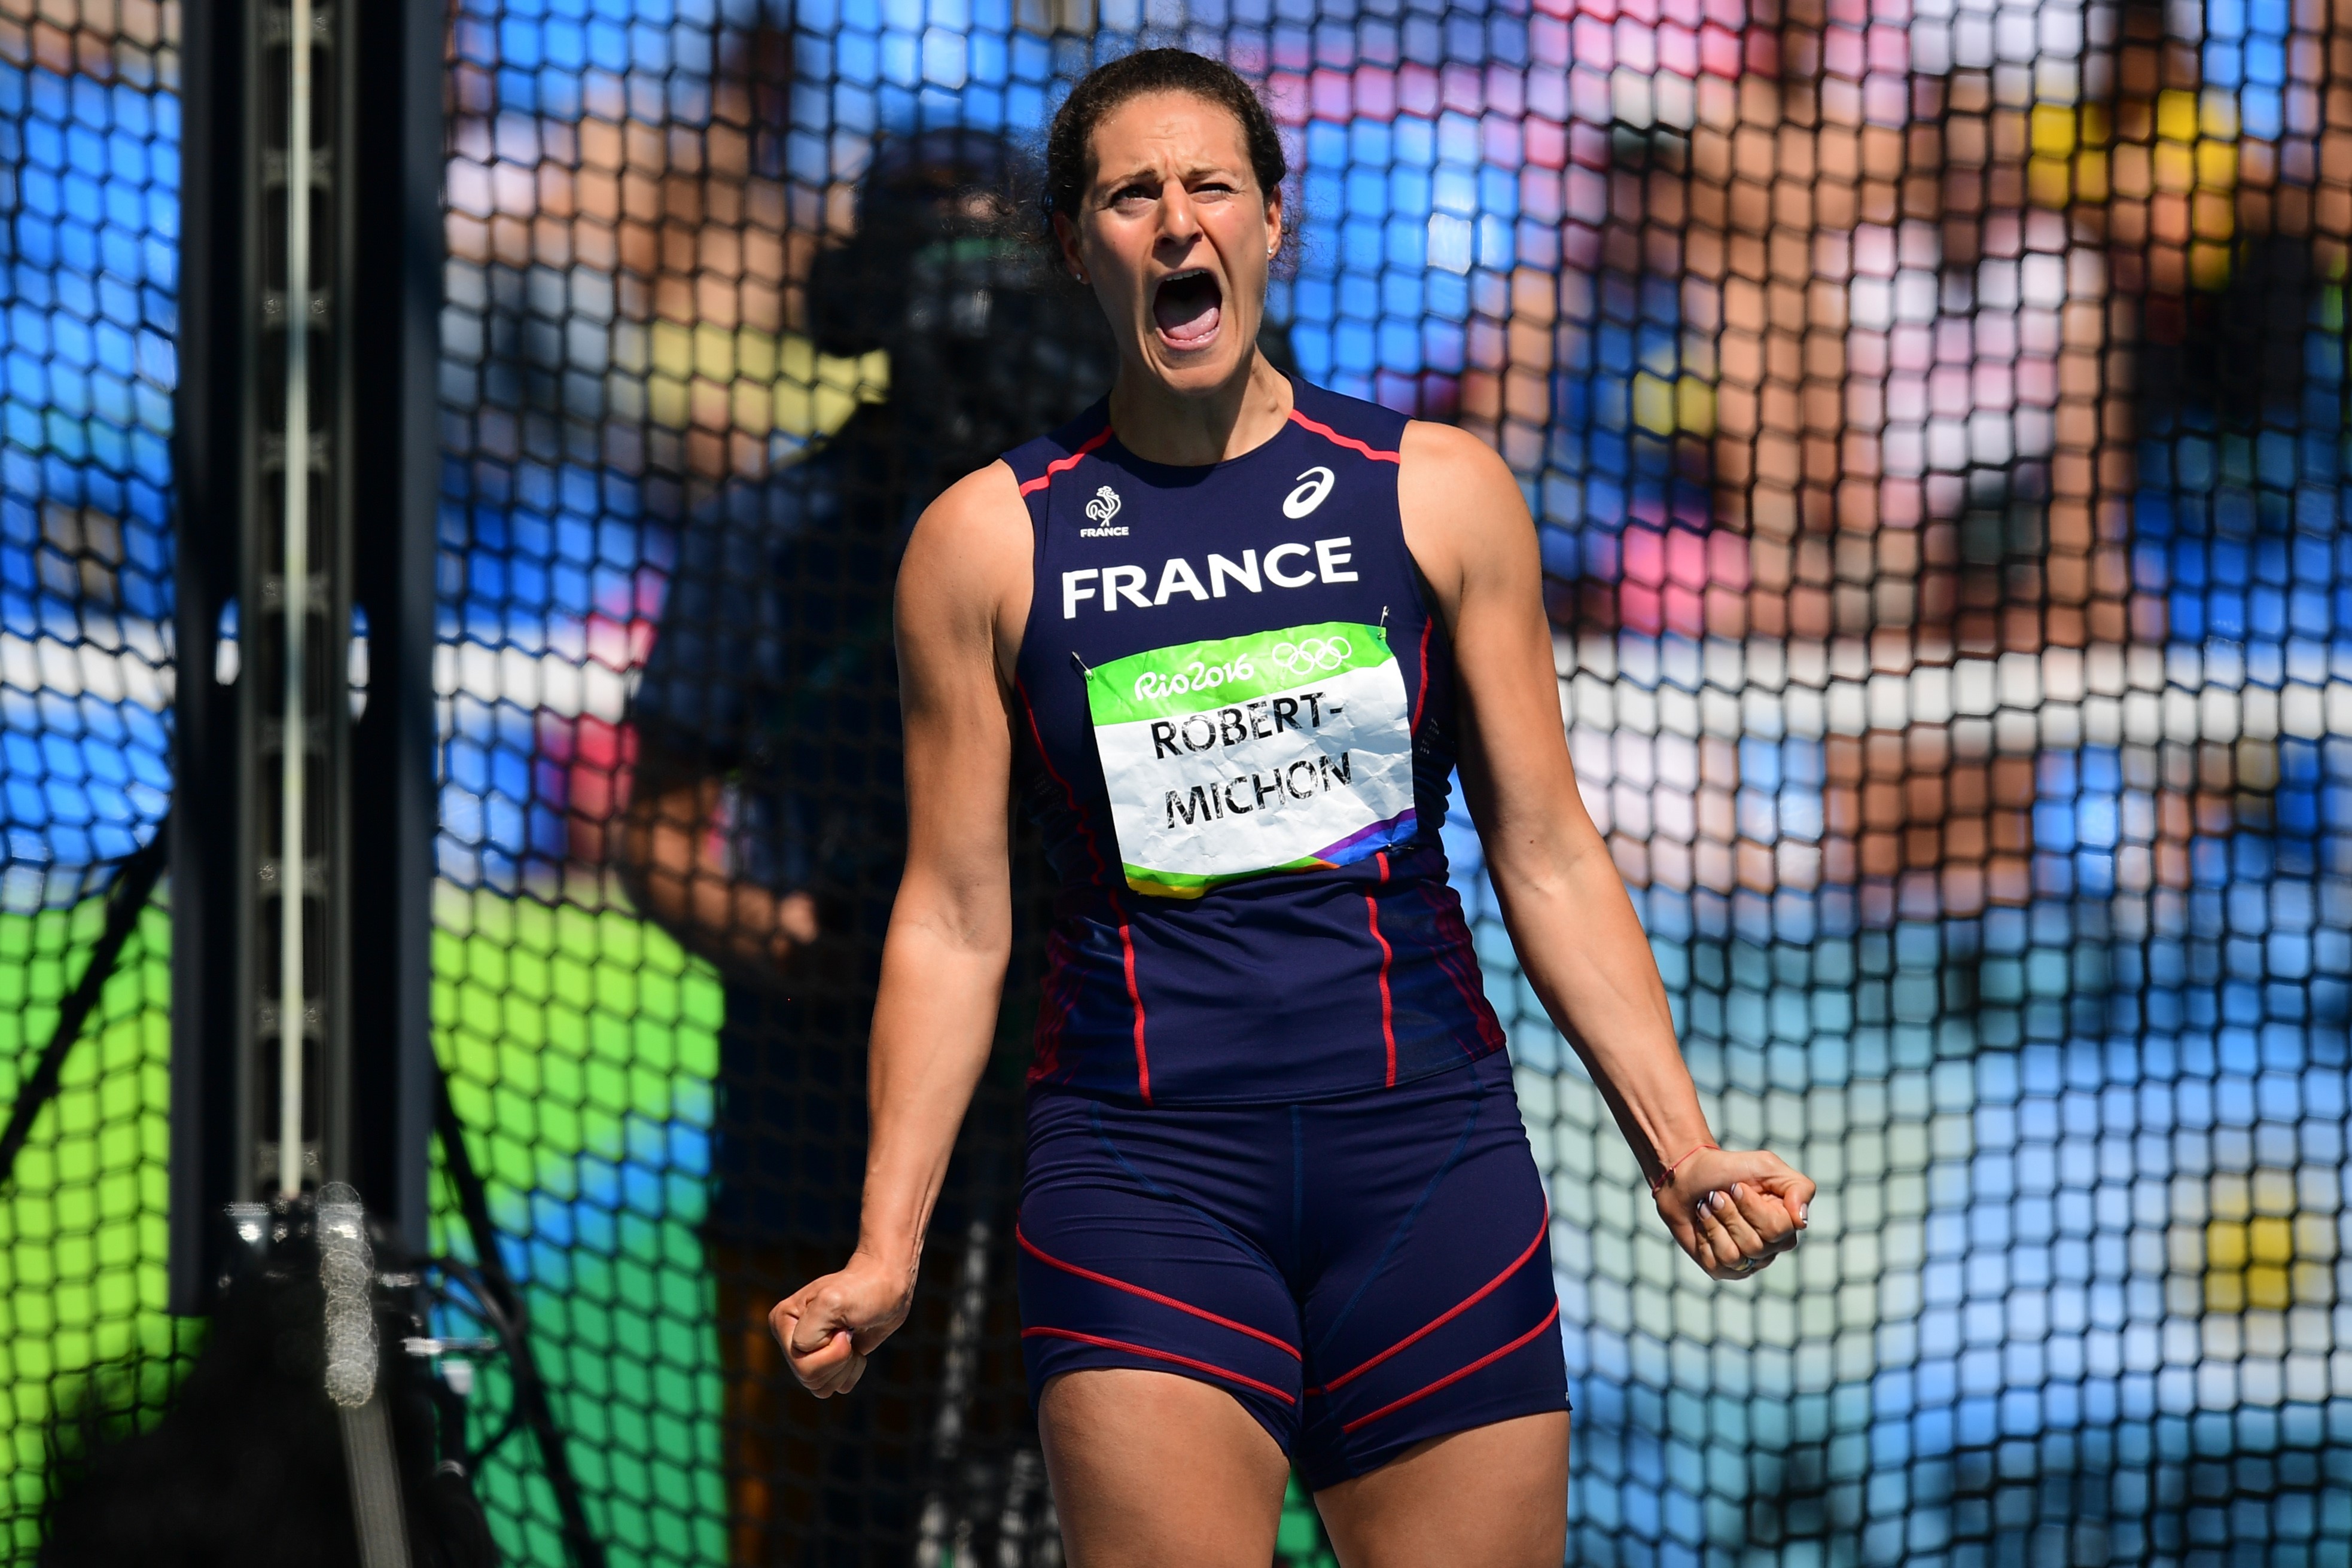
(963, 593)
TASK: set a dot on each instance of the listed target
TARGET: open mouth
(1187, 307)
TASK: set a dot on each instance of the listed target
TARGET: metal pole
(296, 587)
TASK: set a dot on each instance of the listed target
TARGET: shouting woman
(1229, 638)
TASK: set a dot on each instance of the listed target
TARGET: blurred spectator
(766, 827)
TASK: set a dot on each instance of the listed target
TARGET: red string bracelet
(1667, 1174)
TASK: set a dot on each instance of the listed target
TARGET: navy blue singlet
(1239, 713)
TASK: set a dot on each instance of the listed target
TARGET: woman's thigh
(1432, 1310)
(1492, 1496)
(1150, 1469)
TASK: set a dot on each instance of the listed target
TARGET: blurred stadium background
(1933, 413)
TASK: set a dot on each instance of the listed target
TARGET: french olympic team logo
(1100, 511)
(1308, 496)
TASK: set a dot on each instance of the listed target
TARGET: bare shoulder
(968, 544)
(1451, 471)
(980, 518)
(1460, 505)
(1448, 454)
(969, 555)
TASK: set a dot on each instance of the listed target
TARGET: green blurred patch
(581, 1047)
(82, 1243)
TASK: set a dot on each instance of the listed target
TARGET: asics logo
(1313, 655)
(1309, 495)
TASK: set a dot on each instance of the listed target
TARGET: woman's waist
(1334, 952)
(1432, 1078)
(1409, 875)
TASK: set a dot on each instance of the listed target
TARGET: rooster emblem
(1103, 506)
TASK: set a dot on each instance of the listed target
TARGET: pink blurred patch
(1672, 575)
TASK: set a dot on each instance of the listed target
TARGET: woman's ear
(1273, 224)
(1065, 236)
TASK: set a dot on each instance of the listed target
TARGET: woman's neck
(1192, 431)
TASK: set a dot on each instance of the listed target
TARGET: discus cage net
(1933, 414)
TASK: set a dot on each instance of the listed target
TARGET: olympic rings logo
(1152, 685)
(1313, 655)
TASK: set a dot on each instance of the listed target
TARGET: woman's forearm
(933, 1025)
(1588, 961)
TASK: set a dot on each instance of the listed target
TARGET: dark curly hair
(1069, 146)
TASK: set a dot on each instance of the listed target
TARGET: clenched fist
(1734, 1213)
(829, 1327)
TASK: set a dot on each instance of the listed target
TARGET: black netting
(1933, 420)
(1934, 417)
(89, 274)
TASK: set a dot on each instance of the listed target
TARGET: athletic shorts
(1362, 1273)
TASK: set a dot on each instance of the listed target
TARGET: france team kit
(1272, 1143)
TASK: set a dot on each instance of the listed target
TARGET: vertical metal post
(213, 464)
(294, 1011)
(302, 1050)
(396, 270)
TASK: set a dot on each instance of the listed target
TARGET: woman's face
(1175, 238)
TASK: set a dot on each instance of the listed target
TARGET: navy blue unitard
(1273, 1140)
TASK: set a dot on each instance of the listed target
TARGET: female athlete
(1229, 637)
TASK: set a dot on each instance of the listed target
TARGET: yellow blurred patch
(2217, 114)
(2263, 1252)
(2047, 182)
(2176, 116)
(2054, 130)
(2069, 160)
(757, 382)
(1694, 410)
(2176, 168)
(2208, 266)
(2091, 182)
(2217, 165)
(1654, 404)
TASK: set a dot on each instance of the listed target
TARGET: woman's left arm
(1579, 941)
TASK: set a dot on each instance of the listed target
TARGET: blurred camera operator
(766, 826)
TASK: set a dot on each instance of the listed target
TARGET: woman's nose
(1178, 221)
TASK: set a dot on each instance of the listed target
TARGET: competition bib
(1288, 750)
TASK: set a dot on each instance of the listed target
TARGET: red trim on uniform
(1328, 433)
(1055, 773)
(1212, 1370)
(1453, 946)
(1421, 695)
(1134, 995)
(1483, 1362)
(1054, 1014)
(1388, 1013)
(1063, 464)
(1094, 849)
(1051, 1261)
(1439, 1321)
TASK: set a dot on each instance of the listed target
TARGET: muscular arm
(1578, 941)
(664, 854)
(963, 593)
